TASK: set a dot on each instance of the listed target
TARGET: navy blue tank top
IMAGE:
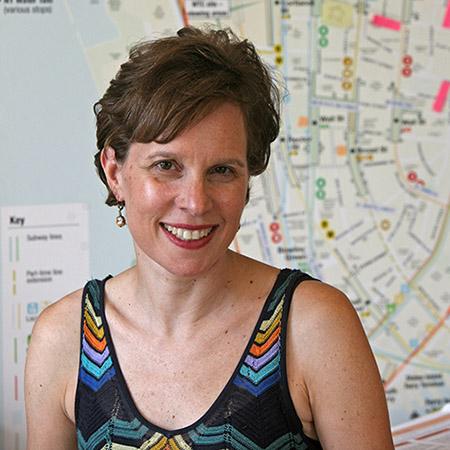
(254, 410)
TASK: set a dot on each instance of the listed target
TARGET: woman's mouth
(188, 234)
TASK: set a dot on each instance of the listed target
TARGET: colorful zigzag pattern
(252, 414)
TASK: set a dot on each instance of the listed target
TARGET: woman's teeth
(187, 235)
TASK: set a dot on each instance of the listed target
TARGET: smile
(188, 235)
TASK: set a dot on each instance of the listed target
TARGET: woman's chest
(173, 385)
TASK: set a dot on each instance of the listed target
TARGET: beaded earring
(120, 219)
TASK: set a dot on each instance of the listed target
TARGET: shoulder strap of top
(294, 279)
(261, 369)
(94, 354)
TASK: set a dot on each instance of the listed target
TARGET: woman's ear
(112, 169)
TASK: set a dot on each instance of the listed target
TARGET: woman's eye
(165, 165)
(222, 170)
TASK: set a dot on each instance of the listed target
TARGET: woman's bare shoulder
(51, 365)
(316, 303)
(334, 376)
(62, 312)
(61, 318)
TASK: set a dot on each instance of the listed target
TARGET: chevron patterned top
(254, 410)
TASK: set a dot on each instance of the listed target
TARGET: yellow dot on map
(346, 85)
(303, 121)
(277, 48)
(279, 59)
(385, 224)
(399, 298)
(341, 150)
(429, 327)
(348, 61)
(330, 234)
(324, 224)
(347, 73)
(365, 314)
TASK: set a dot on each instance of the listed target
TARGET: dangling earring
(120, 219)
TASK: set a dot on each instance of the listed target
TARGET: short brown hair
(171, 83)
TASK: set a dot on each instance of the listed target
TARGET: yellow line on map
(399, 338)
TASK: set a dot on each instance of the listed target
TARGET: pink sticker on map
(441, 96)
(386, 22)
(446, 22)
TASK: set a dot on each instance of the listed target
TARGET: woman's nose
(195, 196)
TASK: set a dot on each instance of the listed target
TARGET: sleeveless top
(254, 410)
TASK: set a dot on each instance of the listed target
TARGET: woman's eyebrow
(231, 161)
(160, 154)
(172, 155)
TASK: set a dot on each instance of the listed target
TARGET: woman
(197, 346)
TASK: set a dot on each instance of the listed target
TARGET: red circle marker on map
(412, 176)
(406, 72)
(276, 238)
(274, 226)
(407, 59)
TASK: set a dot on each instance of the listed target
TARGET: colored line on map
(441, 96)
(14, 285)
(15, 350)
(184, 13)
(16, 388)
(422, 345)
(386, 22)
(446, 22)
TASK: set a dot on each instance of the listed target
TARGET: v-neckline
(123, 386)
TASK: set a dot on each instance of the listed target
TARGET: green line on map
(10, 249)
(15, 350)
(17, 248)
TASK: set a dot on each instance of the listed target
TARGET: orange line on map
(417, 349)
(424, 424)
(184, 13)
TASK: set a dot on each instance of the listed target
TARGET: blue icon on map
(32, 308)
(404, 288)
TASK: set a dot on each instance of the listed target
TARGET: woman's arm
(331, 367)
(52, 360)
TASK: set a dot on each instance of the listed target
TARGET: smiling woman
(197, 346)
(186, 194)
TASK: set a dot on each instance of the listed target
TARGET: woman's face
(184, 199)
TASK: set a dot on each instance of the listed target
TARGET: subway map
(357, 191)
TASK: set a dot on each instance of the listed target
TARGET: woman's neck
(180, 304)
